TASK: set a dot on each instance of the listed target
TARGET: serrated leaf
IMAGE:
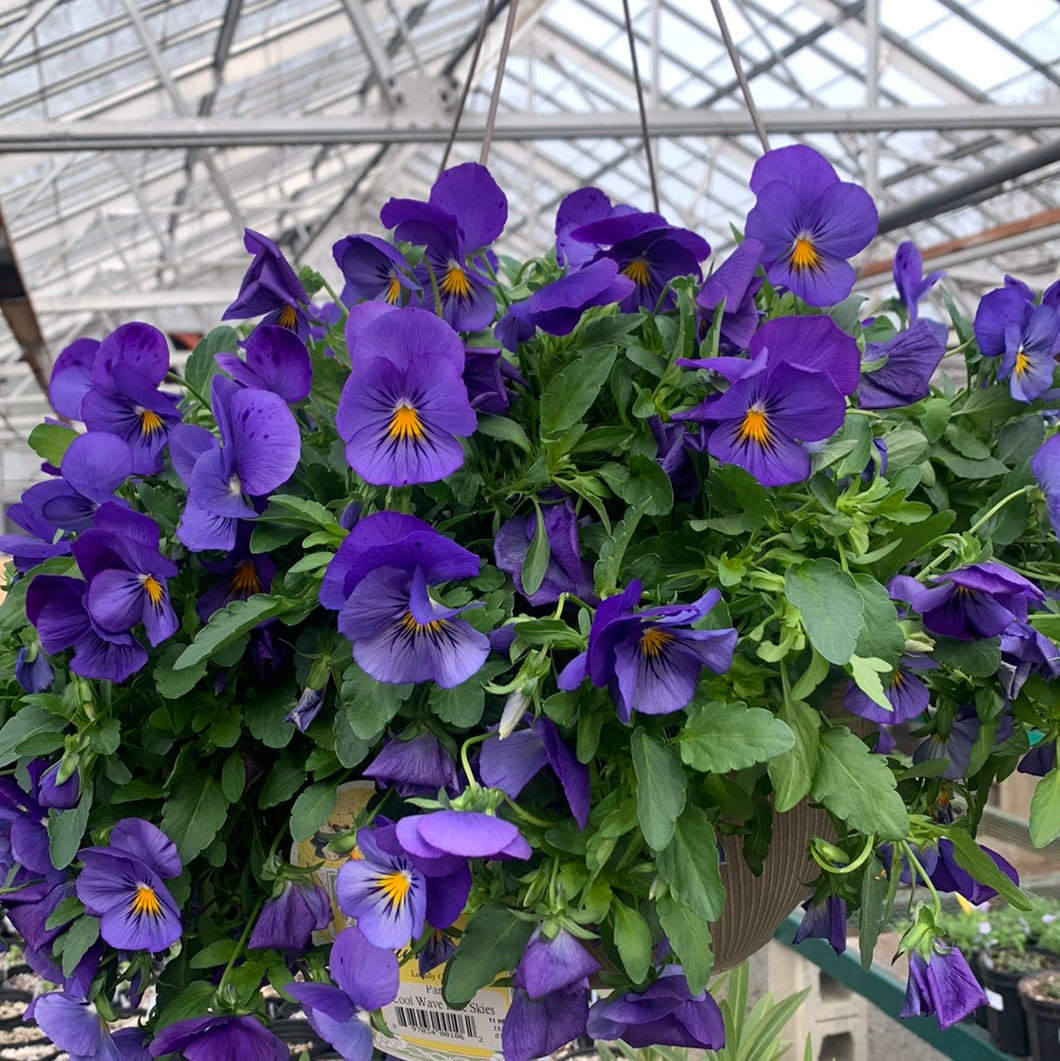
(312, 809)
(857, 787)
(217, 953)
(284, 779)
(492, 943)
(503, 429)
(974, 860)
(229, 623)
(535, 563)
(200, 365)
(660, 788)
(51, 441)
(689, 865)
(866, 674)
(1045, 809)
(830, 605)
(632, 940)
(78, 940)
(570, 394)
(193, 814)
(792, 773)
(717, 737)
(689, 936)
(173, 684)
(27, 723)
(66, 829)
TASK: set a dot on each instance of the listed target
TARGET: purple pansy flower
(664, 1014)
(121, 884)
(975, 602)
(1040, 759)
(27, 820)
(809, 223)
(386, 893)
(550, 964)
(909, 277)
(416, 765)
(676, 444)
(465, 213)
(219, 1038)
(259, 450)
(486, 376)
(244, 574)
(378, 582)
(1025, 651)
(957, 742)
(941, 983)
(536, 1027)
(650, 660)
(905, 376)
(948, 876)
(1025, 336)
(448, 835)
(825, 919)
(71, 377)
(567, 571)
(557, 307)
(905, 692)
(510, 762)
(94, 465)
(287, 920)
(62, 795)
(270, 289)
(374, 270)
(276, 360)
(37, 544)
(73, 1025)
(32, 670)
(367, 979)
(1046, 467)
(735, 283)
(405, 405)
(127, 578)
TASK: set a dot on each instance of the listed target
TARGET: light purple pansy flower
(276, 360)
(405, 405)
(418, 764)
(1026, 337)
(651, 660)
(366, 979)
(460, 834)
(71, 377)
(941, 983)
(62, 795)
(374, 270)
(287, 920)
(735, 283)
(825, 919)
(270, 289)
(809, 223)
(905, 376)
(219, 1038)
(904, 691)
(73, 1025)
(948, 875)
(1026, 651)
(909, 278)
(550, 964)
(1045, 464)
(536, 1027)
(664, 1014)
(33, 672)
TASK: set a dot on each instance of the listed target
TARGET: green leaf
(312, 809)
(350, 750)
(535, 564)
(492, 943)
(27, 723)
(505, 430)
(647, 486)
(229, 623)
(200, 365)
(1020, 439)
(968, 469)
(792, 773)
(857, 787)
(880, 634)
(571, 393)
(284, 779)
(690, 865)
(217, 953)
(193, 814)
(78, 939)
(719, 737)
(462, 705)
(830, 605)
(1045, 809)
(174, 684)
(233, 778)
(66, 829)
(50, 442)
(866, 674)
(873, 910)
(689, 936)
(193, 1001)
(369, 705)
(66, 911)
(660, 788)
(266, 713)
(632, 940)
(977, 659)
(974, 860)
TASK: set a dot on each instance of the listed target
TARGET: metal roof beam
(378, 60)
(181, 133)
(25, 27)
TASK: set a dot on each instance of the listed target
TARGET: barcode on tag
(447, 1024)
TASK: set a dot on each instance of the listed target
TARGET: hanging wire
(745, 88)
(495, 95)
(487, 17)
(640, 106)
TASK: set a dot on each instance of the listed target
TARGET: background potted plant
(476, 627)
(1040, 995)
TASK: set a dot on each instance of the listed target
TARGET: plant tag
(994, 1000)
(350, 800)
(424, 1028)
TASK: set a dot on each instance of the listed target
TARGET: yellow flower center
(1023, 362)
(755, 427)
(150, 421)
(637, 270)
(405, 424)
(804, 255)
(652, 641)
(288, 317)
(395, 886)
(897, 680)
(409, 625)
(245, 578)
(455, 281)
(145, 902)
(153, 588)
(393, 290)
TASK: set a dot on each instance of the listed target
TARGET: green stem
(219, 993)
(914, 862)
(434, 288)
(527, 816)
(866, 851)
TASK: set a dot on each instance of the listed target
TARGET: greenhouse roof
(139, 137)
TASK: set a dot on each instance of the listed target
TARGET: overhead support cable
(741, 77)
